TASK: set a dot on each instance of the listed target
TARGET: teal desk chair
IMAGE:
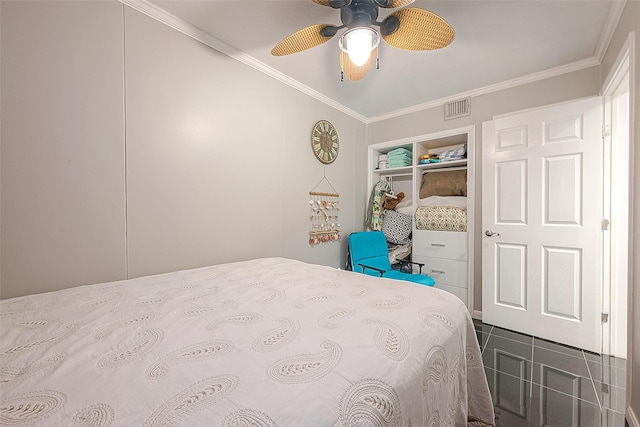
(368, 254)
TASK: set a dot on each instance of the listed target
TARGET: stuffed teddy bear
(391, 203)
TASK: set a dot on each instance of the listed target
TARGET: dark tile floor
(535, 382)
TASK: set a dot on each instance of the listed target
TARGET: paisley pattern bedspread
(267, 342)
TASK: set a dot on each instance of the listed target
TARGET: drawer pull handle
(438, 244)
(438, 271)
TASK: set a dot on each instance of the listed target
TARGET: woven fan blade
(395, 3)
(420, 30)
(353, 72)
(322, 2)
(303, 39)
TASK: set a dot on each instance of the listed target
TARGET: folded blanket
(460, 153)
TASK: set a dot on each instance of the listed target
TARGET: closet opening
(436, 174)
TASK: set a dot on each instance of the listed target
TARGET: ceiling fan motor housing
(359, 13)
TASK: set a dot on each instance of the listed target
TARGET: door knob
(491, 233)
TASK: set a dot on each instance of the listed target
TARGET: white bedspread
(268, 342)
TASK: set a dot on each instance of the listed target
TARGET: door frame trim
(610, 344)
(627, 54)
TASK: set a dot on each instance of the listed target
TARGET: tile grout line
(534, 384)
(489, 336)
(598, 404)
(483, 346)
(533, 339)
(593, 384)
(545, 387)
(511, 339)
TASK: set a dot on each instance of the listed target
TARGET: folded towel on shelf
(399, 152)
(398, 164)
(399, 157)
(392, 165)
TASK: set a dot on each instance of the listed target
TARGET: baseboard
(477, 314)
(632, 420)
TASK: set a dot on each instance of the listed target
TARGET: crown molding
(609, 28)
(187, 29)
(519, 81)
(625, 59)
(603, 44)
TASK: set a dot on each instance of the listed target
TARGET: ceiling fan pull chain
(377, 59)
(341, 76)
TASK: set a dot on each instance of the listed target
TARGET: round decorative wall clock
(325, 142)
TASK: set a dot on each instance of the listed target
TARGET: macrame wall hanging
(323, 215)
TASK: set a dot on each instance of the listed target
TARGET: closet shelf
(408, 170)
(403, 171)
(443, 165)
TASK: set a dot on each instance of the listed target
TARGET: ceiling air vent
(459, 108)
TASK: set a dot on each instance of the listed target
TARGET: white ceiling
(510, 41)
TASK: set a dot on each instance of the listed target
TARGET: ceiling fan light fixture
(358, 43)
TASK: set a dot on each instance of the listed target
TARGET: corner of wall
(632, 420)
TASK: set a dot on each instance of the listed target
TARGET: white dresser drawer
(459, 292)
(440, 244)
(447, 271)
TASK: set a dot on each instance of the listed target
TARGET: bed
(267, 342)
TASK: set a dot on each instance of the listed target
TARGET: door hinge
(604, 225)
(604, 317)
(606, 131)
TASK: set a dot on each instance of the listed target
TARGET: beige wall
(129, 149)
(219, 159)
(630, 22)
(574, 85)
(62, 143)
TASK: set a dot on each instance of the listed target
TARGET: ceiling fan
(408, 28)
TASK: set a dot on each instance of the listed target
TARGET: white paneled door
(542, 222)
